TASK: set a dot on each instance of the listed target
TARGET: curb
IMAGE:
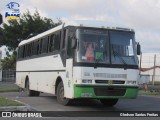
(17, 108)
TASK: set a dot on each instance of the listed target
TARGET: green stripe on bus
(88, 92)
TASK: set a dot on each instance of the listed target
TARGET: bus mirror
(138, 49)
(74, 43)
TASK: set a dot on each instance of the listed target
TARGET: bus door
(69, 66)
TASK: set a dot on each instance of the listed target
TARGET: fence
(9, 75)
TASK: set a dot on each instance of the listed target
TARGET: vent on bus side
(109, 75)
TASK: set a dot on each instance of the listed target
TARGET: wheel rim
(61, 93)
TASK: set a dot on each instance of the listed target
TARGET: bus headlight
(86, 81)
(131, 82)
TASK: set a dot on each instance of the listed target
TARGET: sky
(141, 15)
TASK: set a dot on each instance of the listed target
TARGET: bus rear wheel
(60, 95)
(31, 92)
(109, 102)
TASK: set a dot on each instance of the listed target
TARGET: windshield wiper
(98, 60)
(118, 55)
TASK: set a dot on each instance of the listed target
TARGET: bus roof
(94, 24)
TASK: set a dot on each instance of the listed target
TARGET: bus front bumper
(98, 92)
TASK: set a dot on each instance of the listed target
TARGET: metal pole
(154, 67)
(140, 63)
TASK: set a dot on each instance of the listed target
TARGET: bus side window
(40, 46)
(24, 51)
(21, 52)
(29, 49)
(63, 39)
(51, 43)
(57, 41)
(34, 47)
(44, 45)
(69, 49)
(48, 42)
(54, 42)
(19, 49)
(70, 33)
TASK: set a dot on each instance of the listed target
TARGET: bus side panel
(42, 72)
(46, 81)
(52, 67)
(20, 79)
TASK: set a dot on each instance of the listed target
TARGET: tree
(17, 30)
(9, 62)
(1, 35)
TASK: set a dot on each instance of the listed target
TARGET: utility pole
(1, 19)
(154, 70)
(1, 33)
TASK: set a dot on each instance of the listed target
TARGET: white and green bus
(79, 61)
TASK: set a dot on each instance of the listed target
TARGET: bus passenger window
(64, 37)
(69, 49)
(51, 43)
(44, 45)
(57, 41)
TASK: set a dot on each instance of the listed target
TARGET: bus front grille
(107, 81)
(109, 91)
(109, 75)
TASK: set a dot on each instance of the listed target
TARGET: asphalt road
(47, 102)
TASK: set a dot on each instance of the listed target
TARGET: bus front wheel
(109, 102)
(60, 95)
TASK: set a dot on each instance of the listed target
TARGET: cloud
(142, 15)
(150, 40)
(135, 13)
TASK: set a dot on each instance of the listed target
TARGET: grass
(8, 89)
(7, 102)
(152, 90)
(149, 93)
(155, 82)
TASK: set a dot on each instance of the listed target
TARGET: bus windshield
(122, 47)
(93, 46)
(105, 46)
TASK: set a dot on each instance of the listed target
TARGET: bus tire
(109, 102)
(60, 95)
(36, 93)
(31, 92)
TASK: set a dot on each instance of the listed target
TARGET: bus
(80, 61)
